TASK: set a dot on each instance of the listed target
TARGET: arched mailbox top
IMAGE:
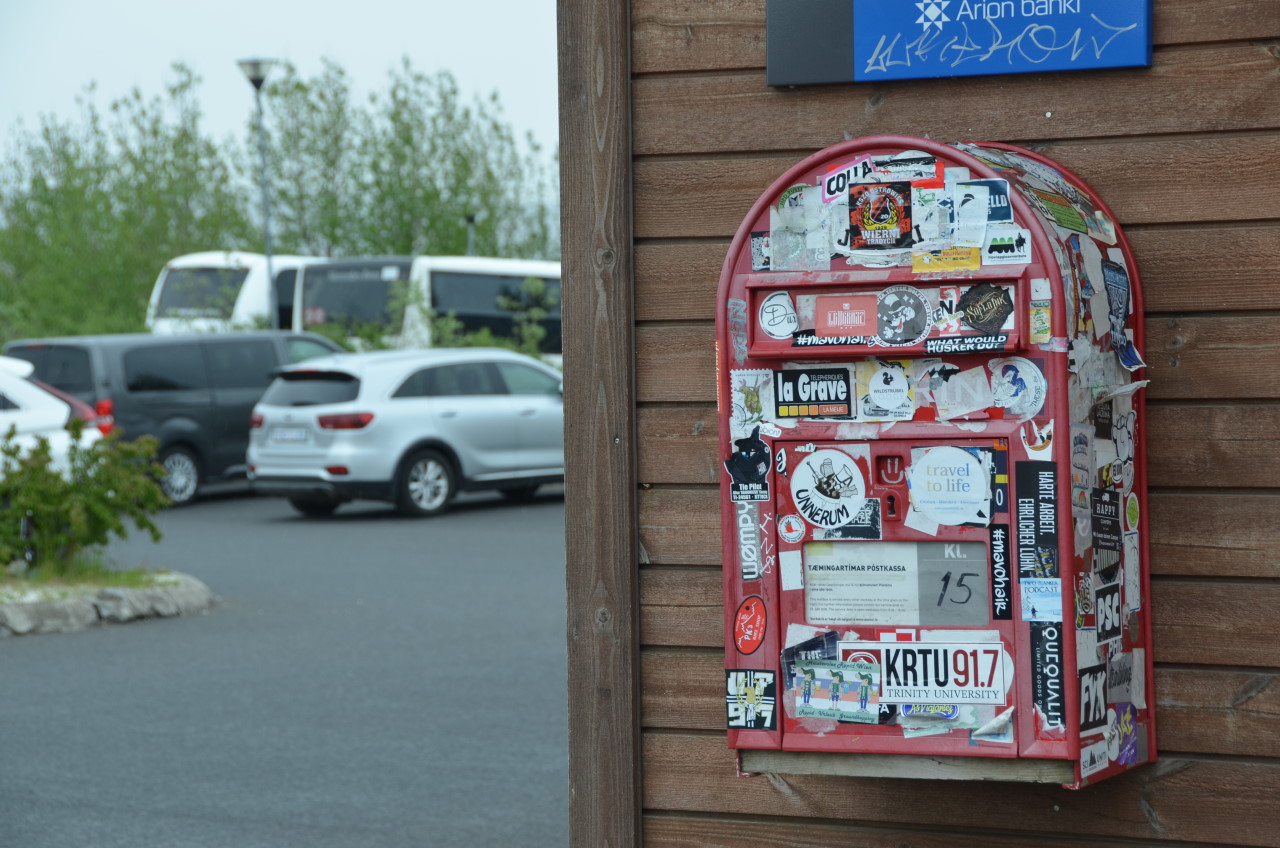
(931, 423)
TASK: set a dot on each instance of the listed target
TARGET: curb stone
(178, 594)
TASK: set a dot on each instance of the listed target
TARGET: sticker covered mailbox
(930, 381)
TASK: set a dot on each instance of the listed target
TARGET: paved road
(366, 681)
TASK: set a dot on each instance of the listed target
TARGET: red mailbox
(934, 486)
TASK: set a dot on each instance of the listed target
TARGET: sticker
(748, 468)
(1055, 208)
(749, 625)
(737, 320)
(828, 488)
(1085, 619)
(969, 204)
(760, 250)
(1121, 668)
(942, 711)
(1093, 758)
(791, 570)
(845, 315)
(842, 691)
(819, 647)
(1041, 598)
(946, 259)
(1102, 416)
(896, 583)
(986, 307)
(1126, 731)
(1082, 469)
(963, 393)
(1036, 439)
(1132, 572)
(880, 215)
(1093, 699)
(884, 391)
(999, 211)
(902, 316)
(1116, 280)
(1001, 599)
(751, 697)
(1041, 320)
(934, 672)
(865, 525)
(1109, 618)
(750, 561)
(1108, 540)
(813, 393)
(915, 166)
(750, 393)
(1046, 675)
(791, 528)
(1036, 487)
(1018, 386)
(836, 183)
(778, 316)
(950, 485)
(967, 344)
(1007, 246)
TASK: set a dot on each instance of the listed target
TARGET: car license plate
(290, 435)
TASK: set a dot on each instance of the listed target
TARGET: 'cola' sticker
(828, 488)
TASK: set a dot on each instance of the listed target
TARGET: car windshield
(200, 292)
(311, 388)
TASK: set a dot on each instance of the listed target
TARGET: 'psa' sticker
(749, 625)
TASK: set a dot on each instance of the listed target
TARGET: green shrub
(49, 518)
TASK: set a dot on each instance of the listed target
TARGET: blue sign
(918, 39)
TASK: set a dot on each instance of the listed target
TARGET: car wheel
(426, 484)
(520, 494)
(181, 474)
(314, 507)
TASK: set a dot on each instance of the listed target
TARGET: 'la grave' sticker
(828, 488)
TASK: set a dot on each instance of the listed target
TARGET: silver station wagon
(409, 427)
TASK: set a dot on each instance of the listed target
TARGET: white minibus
(222, 290)
(397, 295)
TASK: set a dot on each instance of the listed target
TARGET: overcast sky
(51, 49)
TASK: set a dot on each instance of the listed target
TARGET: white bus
(397, 295)
(224, 290)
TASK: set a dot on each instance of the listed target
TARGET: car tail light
(79, 409)
(105, 410)
(345, 421)
(337, 470)
(255, 421)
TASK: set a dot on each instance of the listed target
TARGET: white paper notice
(791, 564)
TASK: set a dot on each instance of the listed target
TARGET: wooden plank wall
(1185, 153)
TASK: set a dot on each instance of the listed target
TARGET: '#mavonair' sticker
(828, 488)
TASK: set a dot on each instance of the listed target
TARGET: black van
(194, 393)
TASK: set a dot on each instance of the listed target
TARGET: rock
(179, 594)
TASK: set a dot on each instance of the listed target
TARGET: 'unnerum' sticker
(828, 488)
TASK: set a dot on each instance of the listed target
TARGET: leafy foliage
(91, 211)
(50, 518)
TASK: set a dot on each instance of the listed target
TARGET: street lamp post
(256, 70)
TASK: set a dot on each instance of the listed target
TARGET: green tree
(402, 174)
(91, 210)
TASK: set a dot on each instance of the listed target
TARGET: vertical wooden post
(600, 468)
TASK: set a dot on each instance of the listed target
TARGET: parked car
(408, 427)
(193, 393)
(36, 411)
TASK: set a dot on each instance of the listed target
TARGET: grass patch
(84, 575)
